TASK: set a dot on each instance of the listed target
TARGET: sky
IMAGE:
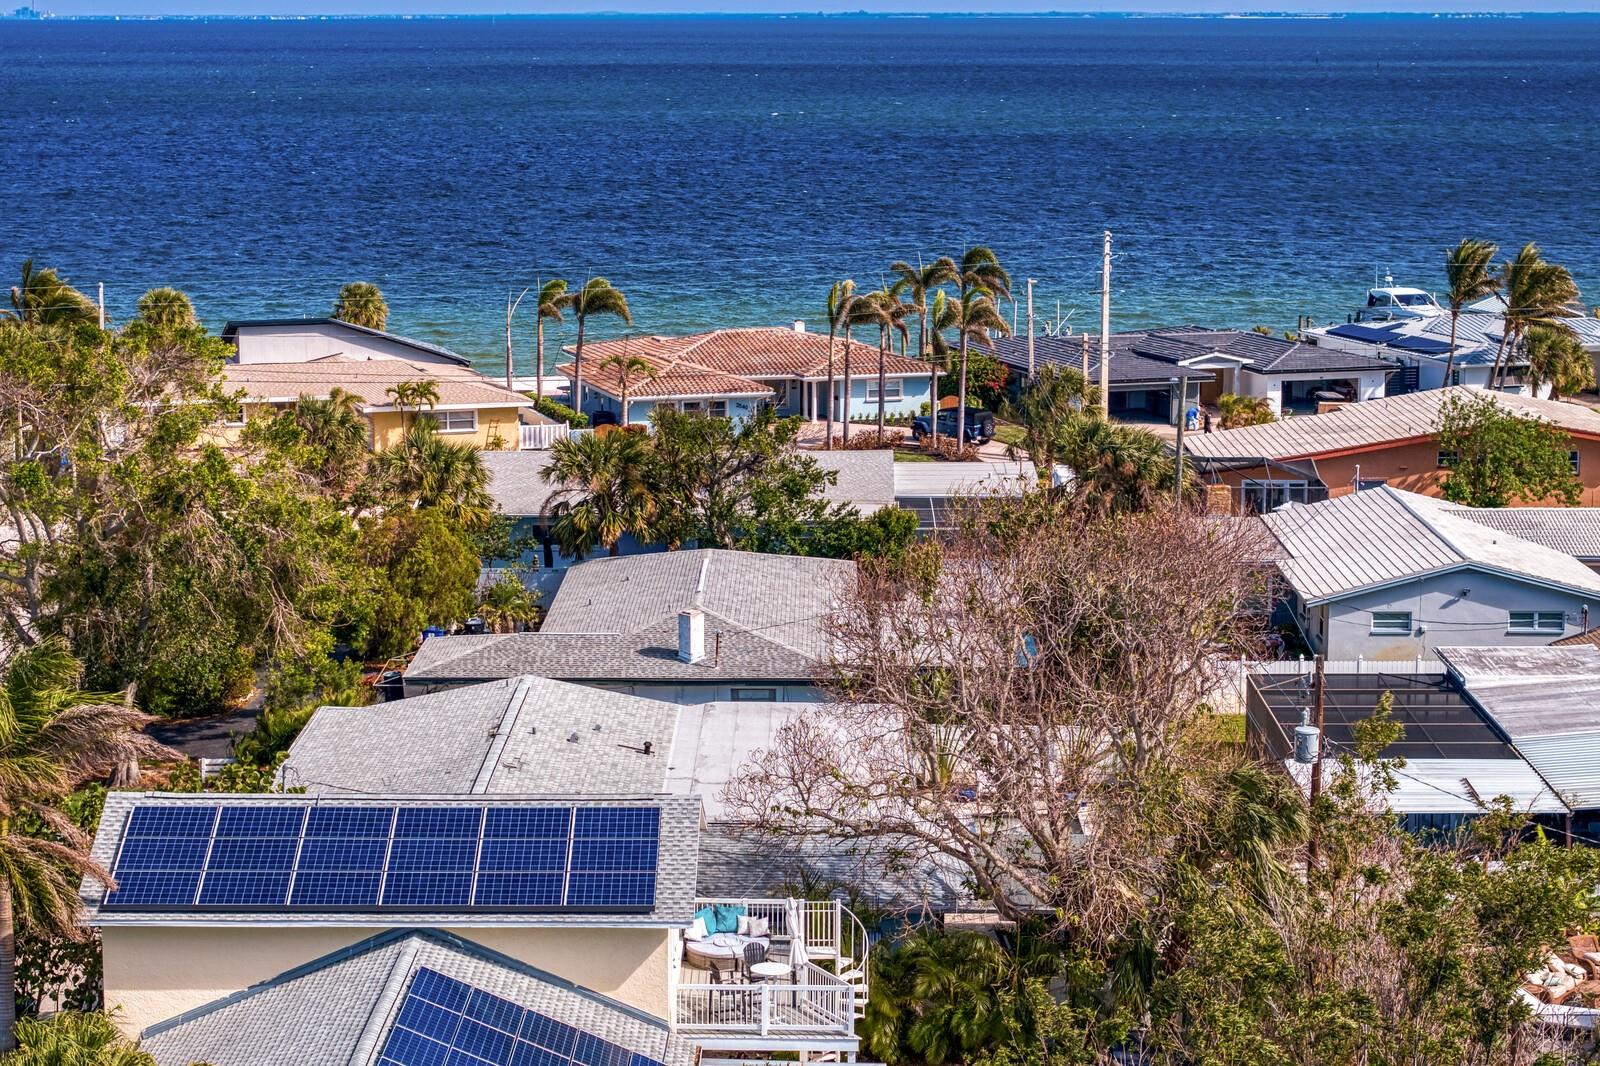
(992, 7)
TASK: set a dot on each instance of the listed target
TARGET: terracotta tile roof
(367, 379)
(726, 362)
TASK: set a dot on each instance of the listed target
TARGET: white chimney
(799, 325)
(691, 635)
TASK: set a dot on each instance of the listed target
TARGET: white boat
(1395, 303)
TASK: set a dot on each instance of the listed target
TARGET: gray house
(1386, 574)
(683, 627)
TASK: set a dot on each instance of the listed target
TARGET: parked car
(979, 429)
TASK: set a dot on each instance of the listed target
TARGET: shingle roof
(231, 329)
(516, 481)
(522, 736)
(1154, 355)
(1373, 538)
(367, 379)
(338, 1010)
(1128, 367)
(738, 865)
(675, 870)
(1374, 424)
(1573, 530)
(726, 362)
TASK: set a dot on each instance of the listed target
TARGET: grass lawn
(902, 455)
(1007, 433)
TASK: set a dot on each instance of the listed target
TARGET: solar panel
(443, 1020)
(320, 856)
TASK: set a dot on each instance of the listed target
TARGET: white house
(301, 340)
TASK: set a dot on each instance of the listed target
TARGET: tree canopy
(1497, 458)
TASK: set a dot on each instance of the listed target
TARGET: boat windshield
(1414, 299)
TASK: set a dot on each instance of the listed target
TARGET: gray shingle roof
(1153, 356)
(513, 736)
(516, 481)
(338, 1010)
(1573, 530)
(864, 480)
(1372, 538)
(675, 870)
(737, 865)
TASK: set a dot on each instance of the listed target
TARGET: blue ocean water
(725, 170)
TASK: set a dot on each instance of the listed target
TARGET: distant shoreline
(1297, 16)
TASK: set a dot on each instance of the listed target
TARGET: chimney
(691, 635)
(799, 325)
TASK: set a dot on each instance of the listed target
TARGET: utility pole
(1177, 459)
(1105, 327)
(1319, 720)
(1085, 337)
(101, 286)
(511, 309)
(1030, 329)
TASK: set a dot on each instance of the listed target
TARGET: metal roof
(1380, 536)
(1573, 530)
(713, 740)
(231, 328)
(1455, 786)
(1375, 424)
(336, 1010)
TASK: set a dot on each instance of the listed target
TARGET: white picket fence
(542, 437)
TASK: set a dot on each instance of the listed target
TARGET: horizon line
(38, 15)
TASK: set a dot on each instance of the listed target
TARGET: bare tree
(1018, 700)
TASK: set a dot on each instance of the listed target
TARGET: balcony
(812, 998)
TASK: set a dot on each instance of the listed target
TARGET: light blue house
(733, 372)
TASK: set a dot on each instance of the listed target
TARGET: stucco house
(1386, 574)
(304, 340)
(731, 372)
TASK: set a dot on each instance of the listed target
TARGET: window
(753, 695)
(1537, 622)
(891, 390)
(1572, 457)
(718, 408)
(1391, 622)
(455, 421)
(1447, 460)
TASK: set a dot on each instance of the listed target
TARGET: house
(304, 340)
(733, 371)
(1147, 366)
(1574, 531)
(470, 408)
(1386, 574)
(682, 626)
(1390, 441)
(1455, 760)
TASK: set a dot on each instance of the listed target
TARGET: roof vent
(572, 738)
(649, 747)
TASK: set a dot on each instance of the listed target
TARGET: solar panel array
(447, 1021)
(369, 857)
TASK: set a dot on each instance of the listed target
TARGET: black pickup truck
(979, 428)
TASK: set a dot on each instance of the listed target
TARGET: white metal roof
(1370, 539)
(1454, 786)
(963, 479)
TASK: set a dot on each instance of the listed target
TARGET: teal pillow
(709, 916)
(728, 916)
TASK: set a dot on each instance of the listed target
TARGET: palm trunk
(883, 356)
(832, 329)
(933, 374)
(961, 393)
(577, 370)
(538, 369)
(508, 346)
(1494, 371)
(1450, 363)
(8, 971)
(846, 411)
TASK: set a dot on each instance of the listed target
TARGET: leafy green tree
(361, 303)
(1469, 277)
(986, 375)
(1537, 293)
(1116, 468)
(1239, 411)
(323, 438)
(839, 533)
(45, 299)
(429, 575)
(425, 470)
(1499, 458)
(1559, 360)
(718, 483)
(166, 310)
(597, 297)
(53, 736)
(71, 1039)
(552, 297)
(606, 492)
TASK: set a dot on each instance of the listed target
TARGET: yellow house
(470, 408)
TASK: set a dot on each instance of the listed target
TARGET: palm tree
(551, 296)
(53, 738)
(921, 281)
(884, 310)
(167, 310)
(1557, 359)
(334, 432)
(70, 1039)
(597, 297)
(1537, 294)
(627, 367)
(605, 493)
(425, 470)
(976, 318)
(980, 274)
(1116, 468)
(44, 298)
(1048, 402)
(1469, 277)
(943, 314)
(413, 395)
(361, 303)
(840, 296)
(508, 603)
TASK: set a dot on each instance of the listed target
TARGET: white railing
(1307, 665)
(816, 1002)
(542, 436)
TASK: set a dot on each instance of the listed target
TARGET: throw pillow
(1554, 964)
(728, 916)
(708, 916)
(696, 930)
(744, 925)
(1592, 956)
(760, 927)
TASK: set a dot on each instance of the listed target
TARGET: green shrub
(559, 411)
